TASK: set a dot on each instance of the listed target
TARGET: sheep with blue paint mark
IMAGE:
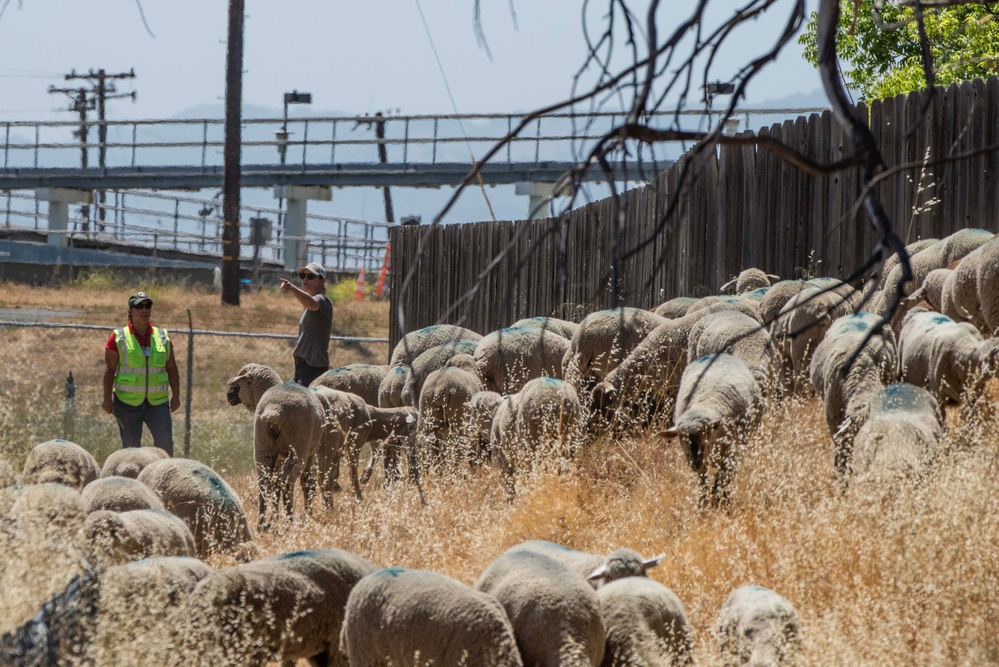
(749, 280)
(675, 308)
(758, 627)
(563, 328)
(390, 389)
(443, 414)
(735, 333)
(398, 617)
(433, 359)
(508, 358)
(282, 608)
(417, 342)
(596, 569)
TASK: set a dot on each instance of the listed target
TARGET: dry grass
(908, 576)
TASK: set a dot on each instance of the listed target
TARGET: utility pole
(103, 89)
(81, 104)
(231, 151)
(383, 158)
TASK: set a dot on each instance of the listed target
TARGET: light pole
(720, 88)
(294, 97)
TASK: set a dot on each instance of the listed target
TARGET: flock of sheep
(526, 394)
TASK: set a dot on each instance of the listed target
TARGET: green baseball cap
(138, 298)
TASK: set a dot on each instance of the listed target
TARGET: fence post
(190, 385)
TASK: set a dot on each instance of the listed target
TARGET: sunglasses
(307, 276)
(144, 306)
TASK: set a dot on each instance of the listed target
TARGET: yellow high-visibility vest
(142, 377)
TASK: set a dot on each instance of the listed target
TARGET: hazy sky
(355, 57)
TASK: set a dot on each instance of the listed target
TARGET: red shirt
(142, 338)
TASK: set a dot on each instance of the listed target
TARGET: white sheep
(119, 494)
(900, 438)
(799, 328)
(543, 418)
(62, 462)
(507, 358)
(119, 537)
(346, 427)
(845, 376)
(554, 613)
(465, 362)
(433, 359)
(417, 342)
(598, 570)
(941, 355)
(482, 408)
(718, 403)
(390, 390)
(715, 302)
(391, 430)
(443, 413)
(361, 379)
(937, 255)
(675, 308)
(282, 608)
(645, 624)
(130, 461)
(398, 617)
(563, 328)
(737, 334)
(756, 626)
(777, 297)
(210, 508)
(749, 280)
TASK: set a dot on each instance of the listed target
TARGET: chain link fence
(51, 386)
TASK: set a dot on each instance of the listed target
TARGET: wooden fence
(739, 206)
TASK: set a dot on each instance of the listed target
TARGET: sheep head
(250, 384)
(624, 563)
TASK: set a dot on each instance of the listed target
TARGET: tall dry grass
(901, 576)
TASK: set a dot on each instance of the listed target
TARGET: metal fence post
(190, 385)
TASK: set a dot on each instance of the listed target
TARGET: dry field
(901, 576)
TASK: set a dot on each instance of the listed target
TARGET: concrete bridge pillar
(296, 246)
(538, 192)
(59, 200)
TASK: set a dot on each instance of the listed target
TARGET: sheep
(465, 362)
(900, 438)
(554, 613)
(718, 402)
(210, 508)
(282, 608)
(50, 510)
(389, 430)
(345, 429)
(749, 280)
(62, 462)
(119, 537)
(602, 340)
(675, 308)
(130, 461)
(645, 624)
(937, 256)
(8, 477)
(250, 384)
(800, 326)
(399, 618)
(556, 326)
(443, 411)
(390, 389)
(417, 342)
(598, 570)
(756, 626)
(361, 379)
(119, 494)
(506, 359)
(892, 261)
(433, 359)
(987, 285)
(482, 408)
(727, 302)
(845, 376)
(736, 333)
(546, 410)
(777, 297)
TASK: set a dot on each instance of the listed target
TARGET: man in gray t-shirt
(312, 357)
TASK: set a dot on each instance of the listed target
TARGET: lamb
(602, 340)
(399, 617)
(645, 624)
(8, 477)
(506, 359)
(482, 408)
(444, 411)
(361, 379)
(389, 430)
(736, 333)
(130, 461)
(749, 280)
(546, 410)
(119, 494)
(556, 326)
(62, 462)
(119, 537)
(900, 438)
(846, 376)
(433, 359)
(799, 328)
(756, 626)
(417, 342)
(598, 570)
(718, 402)
(555, 615)
(675, 308)
(210, 508)
(390, 390)
(282, 608)
(941, 355)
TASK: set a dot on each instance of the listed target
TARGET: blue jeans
(157, 417)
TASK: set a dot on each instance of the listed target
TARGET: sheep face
(250, 384)
(623, 563)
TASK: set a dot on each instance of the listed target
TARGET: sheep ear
(917, 295)
(598, 573)
(668, 434)
(773, 277)
(729, 287)
(652, 562)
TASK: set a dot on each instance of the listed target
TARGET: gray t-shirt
(314, 331)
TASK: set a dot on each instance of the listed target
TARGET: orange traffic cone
(359, 289)
(383, 274)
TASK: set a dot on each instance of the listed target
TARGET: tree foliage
(884, 58)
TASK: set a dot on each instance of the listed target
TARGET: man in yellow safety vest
(141, 382)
